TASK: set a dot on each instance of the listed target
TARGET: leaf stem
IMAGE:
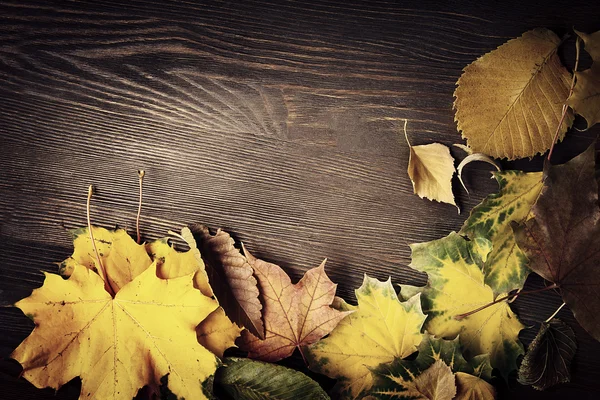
(507, 297)
(565, 106)
(405, 132)
(100, 267)
(555, 312)
(141, 174)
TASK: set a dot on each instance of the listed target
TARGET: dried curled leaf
(505, 268)
(430, 168)
(472, 158)
(243, 378)
(380, 330)
(232, 279)
(564, 247)
(509, 101)
(81, 330)
(585, 99)
(295, 315)
(456, 286)
(548, 359)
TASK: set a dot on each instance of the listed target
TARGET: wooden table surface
(277, 120)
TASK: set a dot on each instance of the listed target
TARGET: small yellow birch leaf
(116, 345)
(470, 387)
(380, 330)
(456, 286)
(585, 99)
(509, 101)
(217, 333)
(430, 168)
(122, 258)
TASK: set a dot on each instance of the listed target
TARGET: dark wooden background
(277, 120)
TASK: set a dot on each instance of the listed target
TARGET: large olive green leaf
(243, 378)
(506, 266)
(380, 330)
(585, 99)
(456, 286)
(509, 101)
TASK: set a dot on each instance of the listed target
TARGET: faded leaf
(232, 279)
(295, 315)
(469, 387)
(380, 330)
(506, 266)
(122, 258)
(254, 380)
(430, 168)
(585, 99)
(548, 359)
(82, 331)
(217, 333)
(562, 242)
(509, 101)
(434, 383)
(456, 286)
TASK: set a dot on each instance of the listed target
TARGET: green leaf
(548, 359)
(506, 266)
(243, 378)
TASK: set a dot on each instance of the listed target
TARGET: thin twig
(565, 106)
(141, 174)
(555, 312)
(507, 297)
(100, 266)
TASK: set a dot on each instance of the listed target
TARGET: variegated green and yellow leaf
(506, 266)
(456, 286)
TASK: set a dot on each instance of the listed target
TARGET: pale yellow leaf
(509, 101)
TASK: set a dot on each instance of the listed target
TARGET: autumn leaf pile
(123, 315)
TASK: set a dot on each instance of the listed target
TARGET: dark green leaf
(548, 359)
(243, 378)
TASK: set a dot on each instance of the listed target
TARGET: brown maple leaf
(562, 242)
(295, 315)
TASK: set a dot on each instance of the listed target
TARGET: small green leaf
(243, 378)
(548, 359)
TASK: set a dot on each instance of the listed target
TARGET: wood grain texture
(278, 121)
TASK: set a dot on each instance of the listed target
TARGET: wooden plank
(277, 121)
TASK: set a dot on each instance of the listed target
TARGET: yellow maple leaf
(509, 102)
(122, 258)
(456, 286)
(116, 345)
(585, 99)
(380, 330)
(217, 333)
